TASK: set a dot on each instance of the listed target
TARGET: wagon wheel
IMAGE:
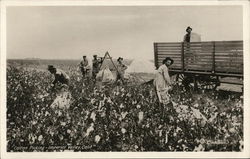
(185, 81)
(208, 83)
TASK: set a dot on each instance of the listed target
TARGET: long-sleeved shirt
(61, 77)
(121, 68)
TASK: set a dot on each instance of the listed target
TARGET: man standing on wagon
(162, 81)
(191, 36)
(190, 54)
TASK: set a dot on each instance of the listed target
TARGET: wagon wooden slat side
(209, 59)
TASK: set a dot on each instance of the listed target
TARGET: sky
(69, 32)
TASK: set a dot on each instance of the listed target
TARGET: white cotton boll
(61, 137)
(103, 114)
(97, 138)
(123, 130)
(124, 114)
(59, 113)
(241, 145)
(78, 79)
(90, 129)
(40, 138)
(196, 105)
(34, 122)
(160, 133)
(138, 106)
(121, 106)
(92, 101)
(92, 116)
(68, 131)
(178, 129)
(46, 113)
(136, 147)
(232, 130)
(199, 148)
(175, 134)
(203, 123)
(166, 138)
(140, 116)
(120, 118)
(63, 123)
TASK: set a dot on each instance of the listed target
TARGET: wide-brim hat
(168, 58)
(120, 58)
(189, 28)
(51, 67)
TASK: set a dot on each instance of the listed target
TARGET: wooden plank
(169, 55)
(221, 62)
(162, 53)
(199, 64)
(229, 66)
(218, 49)
(169, 51)
(228, 42)
(198, 44)
(169, 46)
(156, 55)
(228, 50)
(227, 72)
(168, 43)
(229, 55)
(173, 57)
(229, 61)
(213, 58)
(229, 46)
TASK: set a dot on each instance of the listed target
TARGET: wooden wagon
(202, 64)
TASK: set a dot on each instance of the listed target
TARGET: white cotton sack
(140, 116)
(107, 76)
